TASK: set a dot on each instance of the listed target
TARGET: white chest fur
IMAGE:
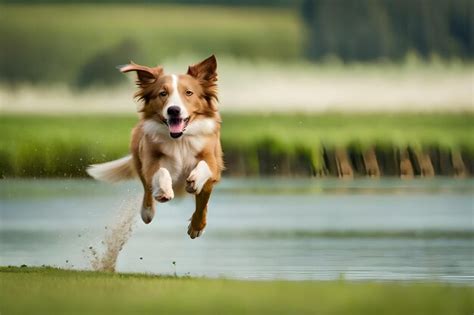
(180, 154)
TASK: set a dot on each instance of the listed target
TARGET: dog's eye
(189, 93)
(163, 93)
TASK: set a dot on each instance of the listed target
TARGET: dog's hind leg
(148, 207)
(201, 180)
(198, 220)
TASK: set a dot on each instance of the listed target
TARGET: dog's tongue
(176, 125)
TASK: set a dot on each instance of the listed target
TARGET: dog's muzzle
(176, 125)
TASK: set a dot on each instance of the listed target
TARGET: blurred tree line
(367, 30)
(35, 50)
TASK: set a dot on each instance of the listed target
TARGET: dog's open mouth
(177, 126)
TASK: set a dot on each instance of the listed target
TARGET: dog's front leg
(200, 182)
(158, 185)
(162, 185)
(198, 178)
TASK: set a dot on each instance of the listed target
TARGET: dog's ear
(145, 75)
(205, 70)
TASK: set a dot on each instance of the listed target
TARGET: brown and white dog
(176, 144)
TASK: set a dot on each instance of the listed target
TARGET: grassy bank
(39, 145)
(54, 291)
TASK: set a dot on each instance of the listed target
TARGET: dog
(175, 146)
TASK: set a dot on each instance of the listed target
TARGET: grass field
(54, 291)
(49, 145)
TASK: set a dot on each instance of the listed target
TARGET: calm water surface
(257, 229)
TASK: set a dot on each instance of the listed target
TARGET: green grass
(42, 145)
(58, 39)
(60, 145)
(55, 291)
(289, 132)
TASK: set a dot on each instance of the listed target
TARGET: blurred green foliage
(98, 71)
(79, 44)
(63, 146)
(54, 291)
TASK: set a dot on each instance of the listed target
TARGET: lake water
(275, 228)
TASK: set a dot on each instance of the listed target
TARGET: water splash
(116, 236)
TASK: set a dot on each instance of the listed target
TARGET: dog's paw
(147, 214)
(197, 178)
(162, 186)
(162, 195)
(194, 232)
(190, 185)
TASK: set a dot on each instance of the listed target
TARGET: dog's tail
(113, 171)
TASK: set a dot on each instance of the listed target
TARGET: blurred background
(386, 61)
(311, 91)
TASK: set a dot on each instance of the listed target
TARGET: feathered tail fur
(113, 171)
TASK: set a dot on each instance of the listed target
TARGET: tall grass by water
(63, 145)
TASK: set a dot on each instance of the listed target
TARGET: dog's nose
(174, 110)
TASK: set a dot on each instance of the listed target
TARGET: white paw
(161, 195)
(147, 214)
(198, 177)
(162, 186)
(194, 233)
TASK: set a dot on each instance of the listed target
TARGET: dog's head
(176, 100)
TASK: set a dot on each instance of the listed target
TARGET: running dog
(175, 146)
